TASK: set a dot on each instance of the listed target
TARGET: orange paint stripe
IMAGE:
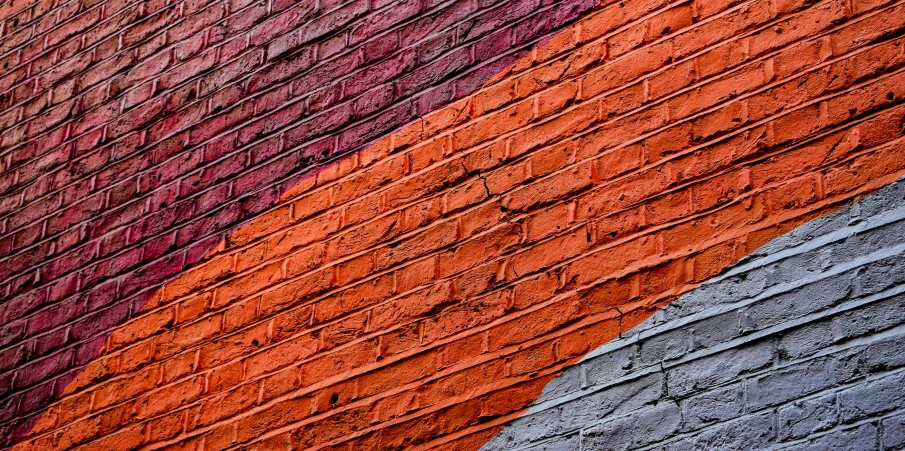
(323, 336)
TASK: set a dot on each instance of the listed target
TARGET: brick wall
(134, 135)
(316, 225)
(798, 348)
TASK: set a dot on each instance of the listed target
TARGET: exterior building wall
(375, 224)
(800, 346)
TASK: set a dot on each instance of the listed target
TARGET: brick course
(335, 225)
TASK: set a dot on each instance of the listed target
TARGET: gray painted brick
(715, 330)
(656, 424)
(702, 374)
(791, 382)
(533, 427)
(886, 236)
(861, 438)
(886, 354)
(873, 397)
(606, 368)
(800, 266)
(822, 226)
(872, 318)
(790, 305)
(816, 228)
(567, 382)
(884, 199)
(879, 276)
(568, 443)
(666, 346)
(850, 365)
(746, 433)
(893, 435)
(721, 404)
(615, 435)
(542, 425)
(658, 317)
(805, 417)
(710, 295)
(616, 400)
(806, 341)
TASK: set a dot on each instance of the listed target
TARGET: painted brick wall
(387, 225)
(135, 134)
(801, 347)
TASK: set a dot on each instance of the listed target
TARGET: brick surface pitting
(810, 353)
(325, 225)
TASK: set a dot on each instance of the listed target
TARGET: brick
(697, 375)
(549, 189)
(870, 398)
(624, 398)
(616, 434)
(534, 324)
(776, 388)
(607, 368)
(892, 431)
(321, 26)
(369, 192)
(807, 417)
(666, 346)
(479, 250)
(714, 406)
(552, 251)
(282, 355)
(744, 433)
(864, 437)
(806, 341)
(784, 307)
(410, 307)
(656, 424)
(458, 318)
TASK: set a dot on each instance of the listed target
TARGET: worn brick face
(326, 225)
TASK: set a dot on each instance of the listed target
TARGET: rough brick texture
(801, 346)
(387, 225)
